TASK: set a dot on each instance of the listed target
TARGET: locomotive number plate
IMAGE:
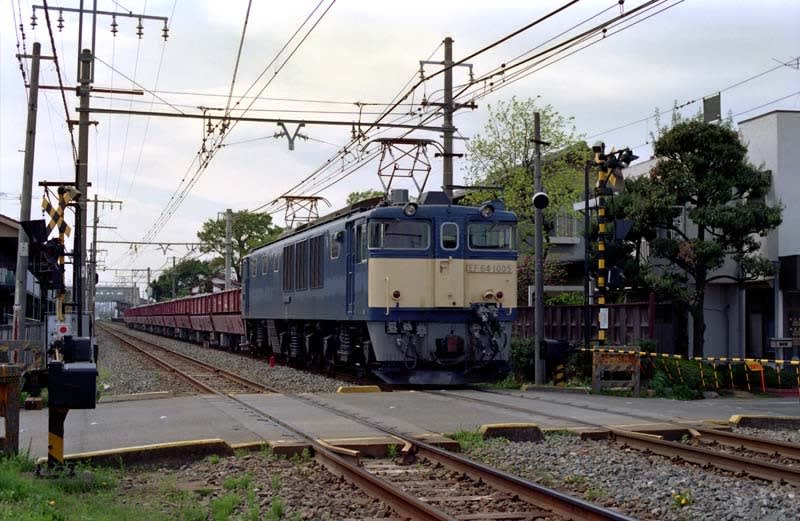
(488, 268)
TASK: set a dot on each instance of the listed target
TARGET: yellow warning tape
(712, 359)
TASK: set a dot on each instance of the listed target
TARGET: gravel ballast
(643, 486)
(127, 373)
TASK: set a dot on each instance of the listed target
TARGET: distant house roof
(8, 227)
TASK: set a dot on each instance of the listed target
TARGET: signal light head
(486, 210)
(410, 209)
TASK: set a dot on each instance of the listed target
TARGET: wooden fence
(628, 324)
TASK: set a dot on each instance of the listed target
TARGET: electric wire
(175, 203)
(238, 57)
(60, 82)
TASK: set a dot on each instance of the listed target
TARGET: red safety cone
(272, 361)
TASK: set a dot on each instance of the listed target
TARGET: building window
(288, 267)
(301, 265)
(449, 236)
(317, 260)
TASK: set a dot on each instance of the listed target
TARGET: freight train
(420, 292)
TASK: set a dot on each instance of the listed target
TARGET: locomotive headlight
(486, 210)
(396, 294)
(488, 295)
(410, 209)
(499, 295)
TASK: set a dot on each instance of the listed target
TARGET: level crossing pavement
(143, 422)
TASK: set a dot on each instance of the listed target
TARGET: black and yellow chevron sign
(56, 214)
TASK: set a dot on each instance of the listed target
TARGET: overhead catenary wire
(175, 202)
(60, 82)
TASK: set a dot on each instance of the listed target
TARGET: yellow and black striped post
(601, 291)
(55, 436)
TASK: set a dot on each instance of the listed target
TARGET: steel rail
(530, 492)
(408, 505)
(255, 386)
(400, 501)
(765, 446)
(752, 467)
(702, 456)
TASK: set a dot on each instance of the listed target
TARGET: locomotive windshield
(491, 236)
(399, 234)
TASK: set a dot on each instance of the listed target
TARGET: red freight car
(212, 317)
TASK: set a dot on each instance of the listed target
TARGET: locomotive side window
(334, 244)
(399, 235)
(316, 261)
(491, 236)
(361, 243)
(276, 262)
(254, 267)
(264, 264)
(301, 265)
(449, 236)
(288, 265)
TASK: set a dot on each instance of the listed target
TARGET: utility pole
(147, 291)
(448, 109)
(173, 277)
(538, 254)
(92, 285)
(20, 287)
(82, 172)
(228, 246)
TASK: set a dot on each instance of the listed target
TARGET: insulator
(33, 19)
(140, 29)
(60, 20)
(165, 31)
(114, 25)
(209, 128)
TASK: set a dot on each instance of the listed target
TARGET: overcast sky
(360, 51)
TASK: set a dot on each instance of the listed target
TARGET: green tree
(249, 230)
(187, 274)
(503, 155)
(355, 197)
(702, 170)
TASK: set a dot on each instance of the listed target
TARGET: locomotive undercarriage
(398, 352)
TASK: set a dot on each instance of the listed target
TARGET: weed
(391, 451)
(213, 459)
(241, 453)
(192, 513)
(593, 494)
(276, 509)
(267, 451)
(560, 432)
(574, 479)
(469, 440)
(222, 508)
(305, 456)
(682, 499)
(509, 382)
(253, 511)
(232, 483)
(276, 482)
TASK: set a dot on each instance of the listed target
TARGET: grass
(469, 440)
(223, 507)
(213, 459)
(88, 494)
(240, 483)
(509, 382)
(391, 451)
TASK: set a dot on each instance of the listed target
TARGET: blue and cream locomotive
(416, 292)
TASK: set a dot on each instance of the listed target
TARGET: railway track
(761, 468)
(480, 492)
(204, 377)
